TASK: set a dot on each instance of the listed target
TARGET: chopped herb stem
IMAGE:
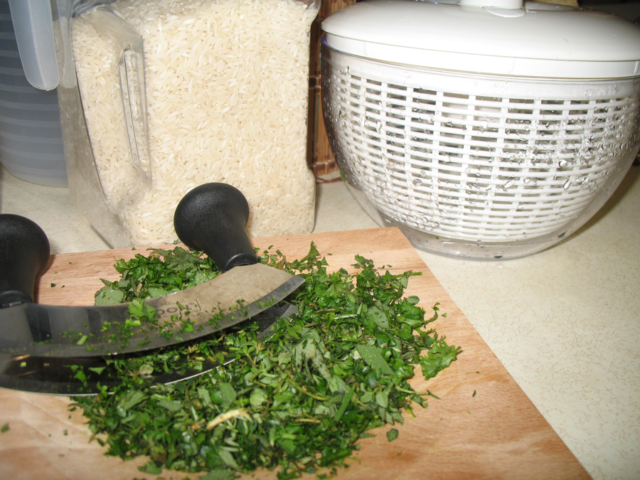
(344, 405)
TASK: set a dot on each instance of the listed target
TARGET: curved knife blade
(58, 376)
(64, 331)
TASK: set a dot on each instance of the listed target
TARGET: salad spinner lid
(504, 37)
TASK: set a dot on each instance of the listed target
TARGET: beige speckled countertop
(564, 322)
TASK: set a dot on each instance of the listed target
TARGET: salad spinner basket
(482, 129)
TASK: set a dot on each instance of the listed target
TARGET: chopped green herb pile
(298, 401)
(159, 274)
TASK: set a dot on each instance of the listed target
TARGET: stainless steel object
(210, 218)
(59, 376)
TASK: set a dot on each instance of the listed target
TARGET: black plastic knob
(24, 255)
(212, 218)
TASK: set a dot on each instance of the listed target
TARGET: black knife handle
(24, 255)
(212, 218)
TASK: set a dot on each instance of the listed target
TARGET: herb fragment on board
(160, 273)
(5, 428)
(296, 402)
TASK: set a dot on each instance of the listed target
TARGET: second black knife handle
(24, 255)
(212, 219)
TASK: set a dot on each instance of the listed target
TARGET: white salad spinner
(485, 128)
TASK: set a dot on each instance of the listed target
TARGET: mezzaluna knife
(210, 218)
(59, 376)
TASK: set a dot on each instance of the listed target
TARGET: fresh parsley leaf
(373, 356)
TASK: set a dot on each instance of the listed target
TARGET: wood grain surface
(482, 427)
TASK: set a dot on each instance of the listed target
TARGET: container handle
(129, 51)
(132, 86)
(33, 27)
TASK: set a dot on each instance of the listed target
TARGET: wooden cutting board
(483, 426)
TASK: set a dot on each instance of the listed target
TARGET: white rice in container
(227, 93)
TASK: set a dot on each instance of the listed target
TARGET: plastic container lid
(502, 37)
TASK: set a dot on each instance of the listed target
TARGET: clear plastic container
(158, 97)
(30, 131)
